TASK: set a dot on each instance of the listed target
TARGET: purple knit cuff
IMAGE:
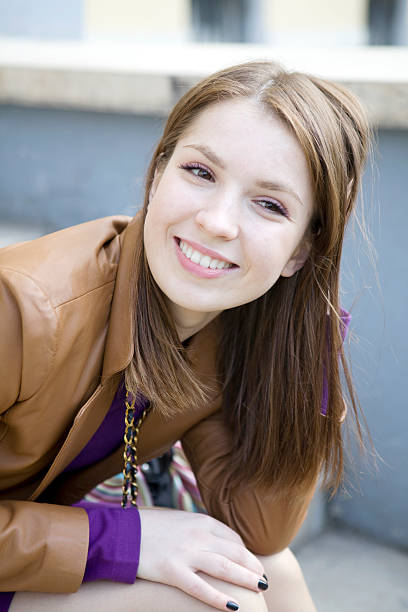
(114, 543)
(5, 601)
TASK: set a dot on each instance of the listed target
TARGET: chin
(199, 308)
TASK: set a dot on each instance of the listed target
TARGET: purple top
(110, 433)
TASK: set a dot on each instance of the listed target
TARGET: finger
(224, 569)
(238, 553)
(200, 589)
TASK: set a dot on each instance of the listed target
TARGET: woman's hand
(176, 545)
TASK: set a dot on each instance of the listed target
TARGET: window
(388, 22)
(219, 20)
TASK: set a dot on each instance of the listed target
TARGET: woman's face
(229, 214)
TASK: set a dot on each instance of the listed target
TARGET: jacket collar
(119, 343)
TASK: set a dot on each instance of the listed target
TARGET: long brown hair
(274, 353)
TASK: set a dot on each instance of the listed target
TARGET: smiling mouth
(202, 259)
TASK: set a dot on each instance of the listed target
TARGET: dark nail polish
(262, 585)
(265, 577)
(231, 605)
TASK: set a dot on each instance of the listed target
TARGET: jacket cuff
(69, 532)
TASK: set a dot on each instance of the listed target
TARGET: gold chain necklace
(131, 436)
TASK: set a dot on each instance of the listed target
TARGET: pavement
(345, 571)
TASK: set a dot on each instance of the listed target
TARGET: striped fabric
(185, 493)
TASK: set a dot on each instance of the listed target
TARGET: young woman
(212, 317)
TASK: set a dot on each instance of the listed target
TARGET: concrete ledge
(148, 79)
(346, 571)
(148, 94)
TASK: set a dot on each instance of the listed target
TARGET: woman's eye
(199, 171)
(273, 206)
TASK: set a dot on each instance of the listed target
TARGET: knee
(249, 601)
(282, 568)
(287, 587)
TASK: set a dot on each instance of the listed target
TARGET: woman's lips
(195, 267)
(205, 251)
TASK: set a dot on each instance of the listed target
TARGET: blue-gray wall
(59, 168)
(379, 351)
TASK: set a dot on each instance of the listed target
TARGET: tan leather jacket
(65, 336)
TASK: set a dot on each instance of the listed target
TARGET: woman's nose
(219, 218)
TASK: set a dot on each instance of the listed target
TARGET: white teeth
(195, 257)
(203, 260)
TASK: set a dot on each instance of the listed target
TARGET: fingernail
(265, 577)
(262, 585)
(231, 605)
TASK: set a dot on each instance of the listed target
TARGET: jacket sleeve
(28, 334)
(10, 345)
(43, 547)
(267, 524)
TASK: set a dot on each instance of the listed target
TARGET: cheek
(264, 267)
(269, 256)
(176, 192)
(266, 278)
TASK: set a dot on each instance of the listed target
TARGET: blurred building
(279, 22)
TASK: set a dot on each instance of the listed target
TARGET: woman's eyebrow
(208, 153)
(275, 186)
(269, 185)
